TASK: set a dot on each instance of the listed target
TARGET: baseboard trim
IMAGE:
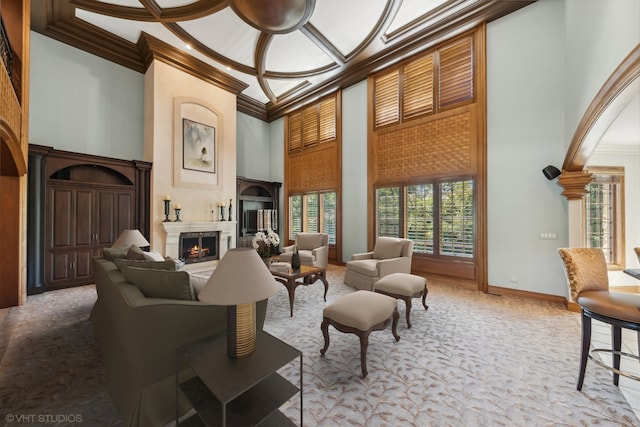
(498, 290)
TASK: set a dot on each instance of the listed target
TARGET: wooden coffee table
(307, 275)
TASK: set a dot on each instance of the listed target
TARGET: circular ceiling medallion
(274, 16)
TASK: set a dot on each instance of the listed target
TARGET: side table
(246, 391)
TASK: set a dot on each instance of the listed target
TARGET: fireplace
(199, 246)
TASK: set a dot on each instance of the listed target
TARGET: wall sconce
(551, 172)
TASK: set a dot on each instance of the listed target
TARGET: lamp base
(241, 330)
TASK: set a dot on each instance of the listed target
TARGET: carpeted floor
(471, 360)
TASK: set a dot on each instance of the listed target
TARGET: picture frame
(198, 146)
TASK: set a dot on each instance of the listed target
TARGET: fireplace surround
(199, 246)
(224, 229)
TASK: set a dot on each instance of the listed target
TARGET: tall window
(313, 212)
(604, 207)
(438, 216)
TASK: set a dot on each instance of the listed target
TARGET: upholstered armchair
(313, 249)
(390, 255)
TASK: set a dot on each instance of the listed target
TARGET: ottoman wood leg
(325, 333)
(364, 344)
(424, 297)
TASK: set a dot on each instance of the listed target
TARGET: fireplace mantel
(173, 230)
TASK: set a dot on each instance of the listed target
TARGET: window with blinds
(604, 210)
(438, 216)
(319, 211)
(408, 91)
(313, 125)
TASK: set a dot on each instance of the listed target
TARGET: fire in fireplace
(199, 246)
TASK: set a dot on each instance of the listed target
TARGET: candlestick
(167, 197)
(167, 210)
(230, 210)
(222, 212)
(177, 209)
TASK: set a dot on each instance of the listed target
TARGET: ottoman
(405, 287)
(360, 313)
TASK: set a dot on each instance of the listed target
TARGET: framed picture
(198, 146)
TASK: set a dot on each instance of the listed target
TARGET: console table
(246, 391)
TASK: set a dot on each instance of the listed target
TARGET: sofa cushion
(160, 283)
(153, 256)
(387, 247)
(308, 241)
(135, 253)
(119, 252)
(168, 265)
(367, 267)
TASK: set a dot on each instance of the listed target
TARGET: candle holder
(167, 210)
(177, 215)
(213, 215)
(230, 210)
(222, 213)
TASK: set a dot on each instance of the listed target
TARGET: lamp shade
(131, 237)
(241, 277)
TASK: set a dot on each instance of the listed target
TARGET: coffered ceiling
(274, 54)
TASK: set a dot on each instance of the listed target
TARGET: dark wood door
(81, 222)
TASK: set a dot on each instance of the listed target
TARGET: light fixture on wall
(551, 172)
(240, 279)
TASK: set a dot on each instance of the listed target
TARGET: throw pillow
(153, 256)
(160, 283)
(135, 253)
(308, 241)
(155, 265)
(387, 247)
(119, 252)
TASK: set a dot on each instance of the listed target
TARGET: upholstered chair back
(311, 241)
(586, 270)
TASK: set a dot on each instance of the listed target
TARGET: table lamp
(239, 280)
(131, 237)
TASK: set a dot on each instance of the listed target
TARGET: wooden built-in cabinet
(257, 208)
(81, 203)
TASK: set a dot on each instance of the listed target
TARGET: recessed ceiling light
(188, 46)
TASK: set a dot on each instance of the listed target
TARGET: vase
(295, 261)
(267, 261)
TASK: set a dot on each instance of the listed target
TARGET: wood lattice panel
(314, 170)
(431, 148)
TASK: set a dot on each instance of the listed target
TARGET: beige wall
(163, 85)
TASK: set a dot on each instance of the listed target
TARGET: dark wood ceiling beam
(260, 59)
(152, 48)
(152, 12)
(251, 107)
(323, 43)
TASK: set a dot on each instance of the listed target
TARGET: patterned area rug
(470, 360)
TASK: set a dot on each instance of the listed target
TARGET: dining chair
(586, 272)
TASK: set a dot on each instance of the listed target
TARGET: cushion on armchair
(308, 241)
(387, 248)
(160, 283)
(169, 265)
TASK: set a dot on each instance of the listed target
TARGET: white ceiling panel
(346, 23)
(172, 3)
(294, 52)
(225, 33)
(412, 9)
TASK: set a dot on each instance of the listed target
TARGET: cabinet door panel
(82, 266)
(125, 211)
(84, 218)
(61, 218)
(59, 267)
(107, 230)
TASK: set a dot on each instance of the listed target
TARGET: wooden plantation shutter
(328, 120)
(310, 126)
(295, 131)
(418, 88)
(456, 72)
(387, 98)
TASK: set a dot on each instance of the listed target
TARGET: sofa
(138, 337)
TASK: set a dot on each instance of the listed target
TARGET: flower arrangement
(266, 243)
